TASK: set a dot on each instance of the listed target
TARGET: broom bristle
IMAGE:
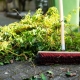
(45, 57)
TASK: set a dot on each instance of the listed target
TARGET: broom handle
(62, 25)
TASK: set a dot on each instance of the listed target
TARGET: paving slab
(23, 69)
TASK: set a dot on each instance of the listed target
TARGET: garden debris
(49, 74)
(63, 69)
(70, 74)
(11, 61)
(6, 73)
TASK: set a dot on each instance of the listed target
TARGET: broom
(50, 57)
(54, 57)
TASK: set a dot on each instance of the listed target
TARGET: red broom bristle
(58, 57)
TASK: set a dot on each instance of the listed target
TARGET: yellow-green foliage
(22, 40)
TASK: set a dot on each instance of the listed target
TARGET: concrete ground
(6, 20)
(24, 69)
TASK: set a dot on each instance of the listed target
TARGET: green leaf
(6, 61)
(1, 63)
(43, 77)
(17, 58)
(68, 74)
